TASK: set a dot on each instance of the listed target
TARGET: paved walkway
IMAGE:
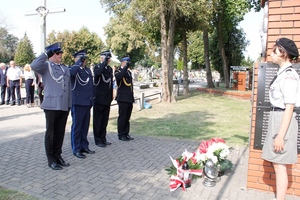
(124, 170)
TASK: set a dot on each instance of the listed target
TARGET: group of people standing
(11, 82)
(78, 88)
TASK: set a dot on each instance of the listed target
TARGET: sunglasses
(57, 53)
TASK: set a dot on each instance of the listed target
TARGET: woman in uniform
(280, 146)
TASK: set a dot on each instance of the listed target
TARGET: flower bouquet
(214, 149)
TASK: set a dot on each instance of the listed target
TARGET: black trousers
(5, 89)
(15, 87)
(125, 110)
(29, 91)
(55, 132)
(100, 121)
(40, 93)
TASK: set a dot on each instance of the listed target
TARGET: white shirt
(29, 75)
(285, 87)
(14, 73)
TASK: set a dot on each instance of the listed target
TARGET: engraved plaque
(266, 73)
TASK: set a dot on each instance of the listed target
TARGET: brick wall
(284, 21)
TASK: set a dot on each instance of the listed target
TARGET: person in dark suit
(57, 101)
(103, 79)
(3, 82)
(40, 87)
(125, 98)
(82, 101)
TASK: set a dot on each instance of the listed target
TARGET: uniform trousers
(80, 127)
(29, 91)
(100, 121)
(5, 89)
(15, 87)
(55, 131)
(125, 110)
(40, 92)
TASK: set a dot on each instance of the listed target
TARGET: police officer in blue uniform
(82, 101)
(103, 80)
(57, 101)
(125, 98)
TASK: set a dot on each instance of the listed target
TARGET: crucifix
(42, 11)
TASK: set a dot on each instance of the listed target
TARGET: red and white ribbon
(176, 181)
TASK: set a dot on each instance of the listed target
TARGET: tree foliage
(24, 53)
(196, 50)
(228, 13)
(166, 26)
(123, 39)
(8, 45)
(75, 41)
(234, 48)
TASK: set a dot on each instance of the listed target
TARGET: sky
(92, 15)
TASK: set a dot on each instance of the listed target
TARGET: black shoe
(61, 162)
(129, 138)
(7, 103)
(87, 151)
(107, 143)
(101, 145)
(79, 155)
(54, 166)
(12, 104)
(2, 103)
(124, 138)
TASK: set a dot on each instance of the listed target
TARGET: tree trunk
(222, 51)
(210, 83)
(167, 55)
(185, 67)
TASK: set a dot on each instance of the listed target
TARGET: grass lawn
(199, 116)
(6, 194)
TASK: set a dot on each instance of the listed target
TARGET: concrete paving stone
(135, 168)
(77, 197)
(112, 196)
(110, 189)
(128, 196)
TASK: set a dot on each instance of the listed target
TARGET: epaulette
(288, 71)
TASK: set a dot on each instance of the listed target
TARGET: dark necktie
(273, 80)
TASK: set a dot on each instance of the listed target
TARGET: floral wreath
(214, 149)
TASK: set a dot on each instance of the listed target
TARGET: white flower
(187, 155)
(214, 159)
(210, 153)
(200, 157)
(224, 153)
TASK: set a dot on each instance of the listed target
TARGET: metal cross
(42, 11)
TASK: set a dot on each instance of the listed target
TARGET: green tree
(75, 41)
(8, 45)
(124, 38)
(228, 13)
(248, 63)
(234, 48)
(24, 53)
(196, 50)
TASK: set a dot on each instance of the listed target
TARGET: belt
(16, 80)
(277, 109)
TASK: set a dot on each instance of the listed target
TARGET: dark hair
(284, 54)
